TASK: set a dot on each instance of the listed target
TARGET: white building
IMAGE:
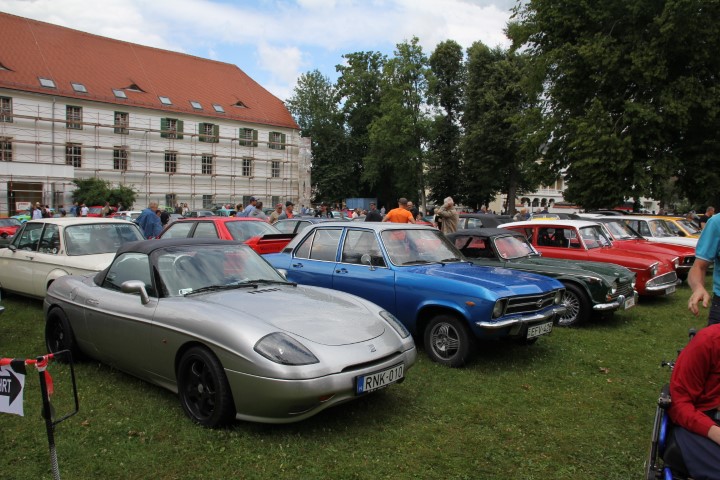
(173, 127)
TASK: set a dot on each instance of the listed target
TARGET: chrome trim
(523, 319)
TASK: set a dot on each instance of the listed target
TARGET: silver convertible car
(212, 321)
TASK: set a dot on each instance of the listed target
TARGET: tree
(395, 157)
(445, 91)
(315, 108)
(496, 106)
(631, 94)
(95, 191)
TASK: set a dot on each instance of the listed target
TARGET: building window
(73, 154)
(165, 100)
(170, 162)
(47, 82)
(171, 128)
(248, 137)
(247, 167)
(275, 169)
(207, 164)
(208, 201)
(5, 149)
(6, 109)
(120, 158)
(119, 93)
(276, 141)
(209, 132)
(79, 87)
(73, 115)
(218, 108)
(196, 105)
(122, 122)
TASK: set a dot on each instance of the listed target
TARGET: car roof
(376, 226)
(312, 219)
(149, 246)
(638, 217)
(541, 222)
(218, 219)
(65, 221)
(483, 215)
(485, 232)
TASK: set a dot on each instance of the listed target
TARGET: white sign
(22, 206)
(12, 383)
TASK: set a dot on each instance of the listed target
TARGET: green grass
(578, 404)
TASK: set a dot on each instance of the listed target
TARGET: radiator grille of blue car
(530, 303)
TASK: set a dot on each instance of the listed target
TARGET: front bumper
(522, 320)
(619, 302)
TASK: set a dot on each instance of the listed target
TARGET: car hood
(500, 280)
(565, 267)
(342, 320)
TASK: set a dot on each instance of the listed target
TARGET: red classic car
(585, 240)
(8, 226)
(258, 234)
(625, 237)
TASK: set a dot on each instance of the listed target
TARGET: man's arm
(696, 281)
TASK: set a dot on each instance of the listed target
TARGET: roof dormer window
(119, 93)
(165, 100)
(218, 108)
(79, 87)
(47, 83)
(133, 87)
(240, 104)
(196, 105)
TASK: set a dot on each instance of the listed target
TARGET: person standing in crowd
(84, 210)
(401, 214)
(707, 251)
(164, 217)
(106, 210)
(324, 211)
(185, 210)
(446, 217)
(275, 214)
(695, 393)
(413, 209)
(74, 209)
(61, 209)
(36, 211)
(250, 207)
(149, 221)
(704, 218)
(288, 213)
(373, 215)
(258, 212)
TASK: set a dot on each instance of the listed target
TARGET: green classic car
(589, 286)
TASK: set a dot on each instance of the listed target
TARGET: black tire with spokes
(577, 304)
(448, 341)
(203, 388)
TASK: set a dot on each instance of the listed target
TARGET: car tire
(59, 335)
(578, 306)
(448, 341)
(203, 388)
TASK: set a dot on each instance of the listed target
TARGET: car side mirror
(136, 286)
(283, 272)
(12, 247)
(366, 259)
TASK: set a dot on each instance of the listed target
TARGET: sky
(275, 41)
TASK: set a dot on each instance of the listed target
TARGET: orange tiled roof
(30, 49)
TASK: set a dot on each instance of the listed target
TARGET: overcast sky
(275, 41)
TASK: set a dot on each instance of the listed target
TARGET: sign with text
(12, 383)
(22, 206)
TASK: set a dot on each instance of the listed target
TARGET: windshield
(594, 237)
(241, 230)
(660, 228)
(98, 238)
(689, 226)
(513, 247)
(417, 247)
(189, 268)
(620, 230)
(9, 222)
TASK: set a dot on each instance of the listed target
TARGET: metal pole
(47, 415)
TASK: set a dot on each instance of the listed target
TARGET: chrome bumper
(615, 304)
(524, 319)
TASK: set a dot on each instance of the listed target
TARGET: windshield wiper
(453, 259)
(417, 262)
(214, 288)
(265, 281)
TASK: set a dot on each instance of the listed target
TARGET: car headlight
(676, 262)
(559, 296)
(613, 287)
(499, 308)
(283, 349)
(654, 269)
(399, 327)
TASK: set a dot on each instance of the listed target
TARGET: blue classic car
(414, 272)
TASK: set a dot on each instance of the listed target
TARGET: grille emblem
(372, 347)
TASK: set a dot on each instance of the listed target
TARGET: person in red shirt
(695, 394)
(401, 214)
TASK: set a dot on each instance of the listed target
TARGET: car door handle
(92, 301)
(341, 270)
(297, 265)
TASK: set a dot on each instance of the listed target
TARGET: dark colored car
(589, 286)
(414, 272)
(297, 224)
(482, 220)
(257, 234)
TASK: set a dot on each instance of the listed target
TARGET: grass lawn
(578, 404)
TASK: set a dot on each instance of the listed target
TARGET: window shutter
(163, 127)
(201, 133)
(282, 140)
(179, 124)
(216, 133)
(255, 137)
(270, 140)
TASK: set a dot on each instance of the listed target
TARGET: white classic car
(46, 249)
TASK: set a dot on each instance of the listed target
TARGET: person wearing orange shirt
(401, 214)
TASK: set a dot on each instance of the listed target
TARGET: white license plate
(374, 381)
(537, 330)
(670, 290)
(629, 302)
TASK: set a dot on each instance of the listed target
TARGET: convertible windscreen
(418, 247)
(93, 239)
(186, 270)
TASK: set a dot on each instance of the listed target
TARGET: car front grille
(529, 303)
(665, 279)
(624, 289)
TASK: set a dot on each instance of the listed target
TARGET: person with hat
(249, 208)
(288, 213)
(275, 214)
